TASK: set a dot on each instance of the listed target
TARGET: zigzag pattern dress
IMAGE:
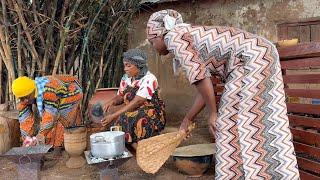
(61, 99)
(253, 138)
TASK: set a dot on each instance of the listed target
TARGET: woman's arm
(205, 91)
(26, 120)
(116, 100)
(205, 88)
(196, 108)
(183, 46)
(134, 104)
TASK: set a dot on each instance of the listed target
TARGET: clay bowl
(194, 160)
(96, 103)
(193, 166)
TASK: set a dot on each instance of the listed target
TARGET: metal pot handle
(99, 140)
(115, 128)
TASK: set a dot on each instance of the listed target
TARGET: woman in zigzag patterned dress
(251, 126)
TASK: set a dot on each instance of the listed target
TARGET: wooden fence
(301, 74)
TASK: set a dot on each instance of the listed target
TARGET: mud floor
(129, 170)
(56, 169)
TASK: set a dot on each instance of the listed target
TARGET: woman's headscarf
(162, 21)
(137, 58)
(23, 86)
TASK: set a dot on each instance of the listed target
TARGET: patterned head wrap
(162, 21)
(137, 58)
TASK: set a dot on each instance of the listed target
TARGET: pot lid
(195, 150)
(107, 134)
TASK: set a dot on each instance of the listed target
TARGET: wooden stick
(1, 92)
(85, 39)
(20, 70)
(28, 68)
(36, 20)
(5, 21)
(72, 58)
(35, 56)
(64, 8)
(9, 96)
(48, 39)
(3, 56)
(63, 63)
(7, 90)
(6, 54)
(63, 33)
(5, 46)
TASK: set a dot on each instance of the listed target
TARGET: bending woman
(251, 125)
(57, 99)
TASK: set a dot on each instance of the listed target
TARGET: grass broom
(153, 152)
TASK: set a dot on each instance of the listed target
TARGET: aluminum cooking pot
(107, 144)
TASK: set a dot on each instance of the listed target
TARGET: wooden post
(20, 71)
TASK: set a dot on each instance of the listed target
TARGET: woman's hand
(108, 119)
(212, 124)
(133, 105)
(30, 141)
(184, 126)
(107, 106)
(41, 139)
(205, 88)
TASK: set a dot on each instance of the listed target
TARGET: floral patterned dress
(149, 119)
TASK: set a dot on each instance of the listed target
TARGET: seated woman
(142, 114)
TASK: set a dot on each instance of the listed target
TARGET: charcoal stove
(108, 166)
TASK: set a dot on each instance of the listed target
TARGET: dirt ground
(56, 169)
